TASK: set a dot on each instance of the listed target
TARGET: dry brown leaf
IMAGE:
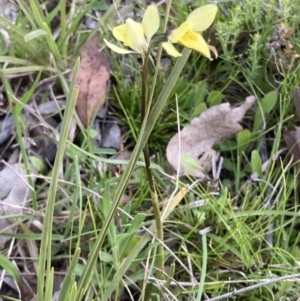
(204, 132)
(14, 192)
(92, 80)
(292, 140)
(297, 100)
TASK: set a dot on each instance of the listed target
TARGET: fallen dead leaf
(13, 196)
(111, 137)
(297, 100)
(7, 127)
(92, 80)
(292, 137)
(292, 140)
(204, 132)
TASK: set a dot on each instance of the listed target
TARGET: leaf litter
(176, 155)
(292, 137)
(195, 141)
(42, 123)
(13, 197)
(93, 81)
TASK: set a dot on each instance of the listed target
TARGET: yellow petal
(203, 17)
(178, 33)
(170, 49)
(135, 36)
(119, 32)
(196, 42)
(150, 21)
(116, 48)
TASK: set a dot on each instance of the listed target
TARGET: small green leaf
(200, 215)
(228, 165)
(243, 140)
(228, 145)
(14, 60)
(269, 101)
(128, 239)
(265, 107)
(35, 34)
(202, 86)
(197, 95)
(201, 91)
(38, 164)
(100, 5)
(214, 98)
(132, 243)
(190, 163)
(31, 68)
(200, 108)
(25, 98)
(9, 267)
(105, 257)
(92, 133)
(256, 163)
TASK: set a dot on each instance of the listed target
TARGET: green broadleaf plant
(265, 107)
(256, 163)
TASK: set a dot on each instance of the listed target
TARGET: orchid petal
(170, 49)
(203, 17)
(119, 32)
(150, 21)
(196, 42)
(117, 49)
(135, 37)
(178, 33)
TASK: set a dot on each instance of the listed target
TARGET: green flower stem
(168, 8)
(167, 13)
(144, 90)
(147, 127)
(155, 204)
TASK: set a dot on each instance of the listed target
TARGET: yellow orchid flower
(137, 36)
(188, 33)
